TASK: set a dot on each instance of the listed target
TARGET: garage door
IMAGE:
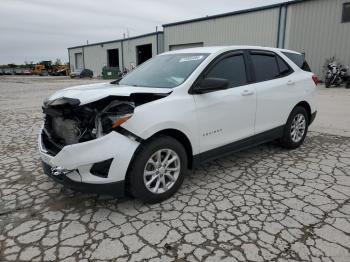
(183, 46)
(79, 61)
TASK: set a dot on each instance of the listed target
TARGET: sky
(35, 30)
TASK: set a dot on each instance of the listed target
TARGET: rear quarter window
(265, 67)
(269, 66)
(299, 60)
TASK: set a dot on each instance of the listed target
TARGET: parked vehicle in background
(75, 73)
(18, 71)
(142, 133)
(81, 73)
(43, 68)
(27, 72)
(1, 72)
(86, 73)
(8, 71)
(60, 70)
(336, 75)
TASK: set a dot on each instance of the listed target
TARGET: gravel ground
(263, 204)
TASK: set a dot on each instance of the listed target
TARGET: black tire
(286, 141)
(135, 178)
(328, 83)
(348, 85)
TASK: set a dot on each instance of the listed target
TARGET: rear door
(226, 116)
(274, 89)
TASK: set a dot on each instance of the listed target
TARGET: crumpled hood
(94, 92)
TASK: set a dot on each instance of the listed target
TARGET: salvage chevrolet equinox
(140, 134)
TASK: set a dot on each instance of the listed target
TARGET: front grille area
(50, 145)
(50, 141)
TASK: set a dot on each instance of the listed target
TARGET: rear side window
(299, 60)
(283, 67)
(265, 67)
(230, 68)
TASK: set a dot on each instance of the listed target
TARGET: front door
(226, 116)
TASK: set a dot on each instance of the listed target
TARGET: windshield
(165, 71)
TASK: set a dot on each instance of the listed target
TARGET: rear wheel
(348, 84)
(158, 169)
(328, 83)
(296, 128)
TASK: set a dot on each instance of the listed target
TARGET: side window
(265, 67)
(230, 68)
(283, 67)
(299, 60)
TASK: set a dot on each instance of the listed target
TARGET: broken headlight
(112, 116)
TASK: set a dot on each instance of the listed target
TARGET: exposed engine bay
(67, 123)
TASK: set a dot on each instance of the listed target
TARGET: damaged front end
(68, 123)
(83, 146)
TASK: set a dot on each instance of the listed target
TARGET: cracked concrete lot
(262, 204)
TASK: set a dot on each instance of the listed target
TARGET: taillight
(316, 81)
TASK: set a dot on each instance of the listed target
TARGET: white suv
(142, 133)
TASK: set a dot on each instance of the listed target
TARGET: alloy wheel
(298, 128)
(162, 171)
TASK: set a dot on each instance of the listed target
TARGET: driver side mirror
(208, 85)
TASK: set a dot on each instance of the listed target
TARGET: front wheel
(296, 128)
(158, 169)
(328, 82)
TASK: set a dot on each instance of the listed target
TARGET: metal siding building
(96, 56)
(313, 27)
(260, 28)
(130, 48)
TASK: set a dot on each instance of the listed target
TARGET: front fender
(168, 113)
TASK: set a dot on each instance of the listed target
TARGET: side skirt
(240, 145)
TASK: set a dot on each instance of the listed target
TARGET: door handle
(247, 93)
(290, 82)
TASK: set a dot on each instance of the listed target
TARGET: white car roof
(220, 49)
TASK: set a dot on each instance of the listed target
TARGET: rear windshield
(299, 60)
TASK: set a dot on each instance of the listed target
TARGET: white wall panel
(254, 28)
(315, 27)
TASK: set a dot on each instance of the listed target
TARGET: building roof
(118, 40)
(244, 11)
(215, 49)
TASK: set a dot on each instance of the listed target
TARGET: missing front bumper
(84, 156)
(116, 189)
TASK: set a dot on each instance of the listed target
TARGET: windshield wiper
(116, 82)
